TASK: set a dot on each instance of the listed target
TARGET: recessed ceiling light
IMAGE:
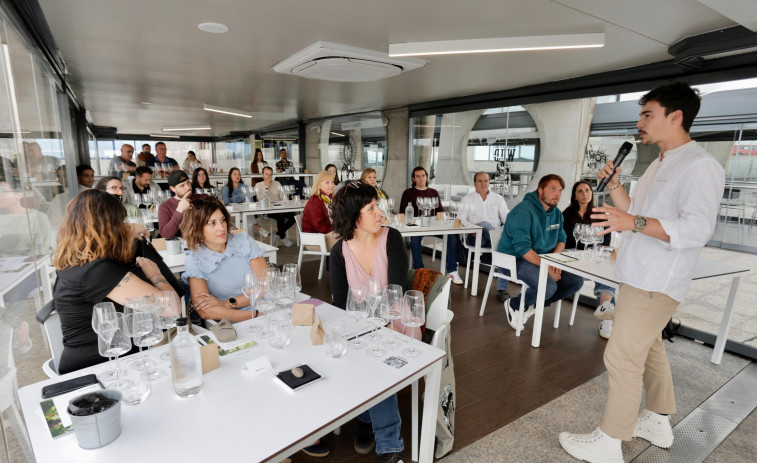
(222, 110)
(213, 28)
(542, 42)
(186, 129)
(145, 102)
(163, 135)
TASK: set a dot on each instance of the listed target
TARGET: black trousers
(284, 222)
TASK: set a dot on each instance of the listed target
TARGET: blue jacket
(529, 226)
(236, 196)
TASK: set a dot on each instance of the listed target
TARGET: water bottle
(409, 214)
(186, 365)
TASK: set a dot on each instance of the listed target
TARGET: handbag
(445, 417)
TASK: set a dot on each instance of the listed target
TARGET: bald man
(122, 163)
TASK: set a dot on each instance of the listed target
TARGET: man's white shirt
(494, 210)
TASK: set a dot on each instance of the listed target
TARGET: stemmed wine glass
(357, 308)
(374, 290)
(378, 321)
(586, 239)
(294, 269)
(597, 238)
(413, 315)
(148, 321)
(117, 346)
(250, 289)
(391, 309)
(137, 198)
(577, 233)
(285, 292)
(170, 309)
(265, 302)
(105, 324)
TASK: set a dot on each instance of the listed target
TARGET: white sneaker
(512, 315)
(530, 311)
(275, 240)
(606, 311)
(605, 328)
(263, 232)
(654, 428)
(596, 447)
(455, 277)
(287, 242)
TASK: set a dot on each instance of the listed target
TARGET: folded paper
(317, 334)
(303, 314)
(209, 358)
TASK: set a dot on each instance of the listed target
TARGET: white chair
(494, 235)
(507, 262)
(311, 239)
(54, 334)
(434, 242)
(436, 314)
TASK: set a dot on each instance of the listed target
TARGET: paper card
(458, 224)
(257, 366)
(210, 358)
(226, 348)
(55, 410)
(159, 244)
(317, 334)
(303, 314)
(401, 218)
(440, 216)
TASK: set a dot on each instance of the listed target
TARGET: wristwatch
(232, 303)
(640, 223)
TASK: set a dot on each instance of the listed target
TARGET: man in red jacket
(172, 211)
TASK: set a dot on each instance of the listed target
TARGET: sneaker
(455, 277)
(287, 242)
(503, 295)
(605, 328)
(319, 450)
(596, 447)
(275, 240)
(395, 457)
(654, 428)
(264, 233)
(530, 311)
(512, 315)
(606, 311)
(364, 442)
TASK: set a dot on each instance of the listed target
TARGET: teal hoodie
(529, 226)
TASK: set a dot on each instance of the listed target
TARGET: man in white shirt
(670, 216)
(482, 208)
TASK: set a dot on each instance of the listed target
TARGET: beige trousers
(635, 357)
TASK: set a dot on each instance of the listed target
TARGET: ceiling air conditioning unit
(343, 63)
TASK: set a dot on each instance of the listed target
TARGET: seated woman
(578, 212)
(218, 261)
(331, 168)
(369, 176)
(365, 252)
(200, 179)
(94, 260)
(191, 162)
(231, 192)
(115, 187)
(256, 166)
(315, 216)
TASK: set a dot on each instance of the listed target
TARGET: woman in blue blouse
(218, 261)
(231, 192)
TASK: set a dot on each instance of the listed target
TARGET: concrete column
(452, 163)
(395, 174)
(564, 132)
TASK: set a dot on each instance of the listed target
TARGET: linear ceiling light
(163, 135)
(541, 42)
(222, 110)
(186, 129)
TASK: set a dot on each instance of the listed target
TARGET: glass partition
(232, 153)
(272, 144)
(354, 143)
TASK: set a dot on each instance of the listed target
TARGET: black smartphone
(69, 385)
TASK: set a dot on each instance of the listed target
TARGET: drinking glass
(105, 324)
(285, 292)
(391, 309)
(118, 345)
(336, 338)
(413, 315)
(598, 239)
(150, 316)
(378, 321)
(281, 331)
(265, 302)
(294, 270)
(577, 233)
(250, 289)
(134, 387)
(586, 240)
(138, 324)
(170, 309)
(137, 198)
(374, 292)
(357, 308)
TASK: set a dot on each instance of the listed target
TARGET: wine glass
(391, 309)
(138, 324)
(294, 269)
(117, 346)
(413, 315)
(577, 233)
(374, 292)
(597, 238)
(265, 302)
(170, 309)
(150, 317)
(357, 308)
(586, 239)
(285, 292)
(105, 324)
(137, 198)
(378, 320)
(250, 289)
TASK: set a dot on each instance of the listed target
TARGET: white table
(438, 227)
(245, 210)
(237, 418)
(175, 262)
(604, 272)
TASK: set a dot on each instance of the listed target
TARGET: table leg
(244, 222)
(476, 263)
(540, 296)
(430, 408)
(414, 388)
(725, 323)
(443, 264)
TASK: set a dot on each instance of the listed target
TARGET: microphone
(622, 153)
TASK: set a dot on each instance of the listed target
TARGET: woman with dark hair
(94, 264)
(191, 162)
(218, 261)
(115, 187)
(579, 212)
(231, 192)
(367, 251)
(370, 177)
(257, 164)
(200, 179)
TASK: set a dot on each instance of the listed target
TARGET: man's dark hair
(418, 169)
(548, 178)
(142, 170)
(159, 143)
(674, 97)
(147, 145)
(267, 167)
(81, 168)
(346, 206)
(475, 176)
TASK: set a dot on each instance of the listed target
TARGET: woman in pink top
(367, 251)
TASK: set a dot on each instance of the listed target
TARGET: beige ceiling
(123, 52)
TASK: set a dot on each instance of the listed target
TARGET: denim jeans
(416, 249)
(486, 241)
(387, 425)
(555, 291)
(599, 288)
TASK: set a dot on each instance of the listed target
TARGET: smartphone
(69, 385)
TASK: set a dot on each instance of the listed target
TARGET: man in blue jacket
(533, 227)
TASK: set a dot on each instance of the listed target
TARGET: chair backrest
(51, 321)
(310, 239)
(298, 219)
(439, 340)
(495, 236)
(437, 313)
(505, 261)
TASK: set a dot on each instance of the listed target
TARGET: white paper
(257, 366)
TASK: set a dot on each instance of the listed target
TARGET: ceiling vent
(342, 63)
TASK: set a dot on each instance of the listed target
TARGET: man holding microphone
(668, 219)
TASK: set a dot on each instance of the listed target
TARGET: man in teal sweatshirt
(534, 227)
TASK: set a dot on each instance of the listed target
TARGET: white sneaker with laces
(264, 233)
(605, 328)
(530, 311)
(287, 242)
(654, 428)
(455, 277)
(512, 315)
(606, 311)
(596, 447)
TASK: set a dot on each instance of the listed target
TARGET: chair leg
(558, 306)
(486, 291)
(520, 312)
(575, 304)
(320, 269)
(467, 268)
(433, 251)
(299, 258)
